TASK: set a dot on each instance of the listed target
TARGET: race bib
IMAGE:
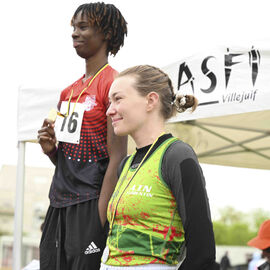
(68, 129)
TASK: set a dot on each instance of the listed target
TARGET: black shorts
(73, 238)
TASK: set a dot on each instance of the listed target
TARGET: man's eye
(83, 27)
(118, 98)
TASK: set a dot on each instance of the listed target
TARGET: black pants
(73, 238)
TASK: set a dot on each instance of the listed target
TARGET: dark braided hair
(107, 19)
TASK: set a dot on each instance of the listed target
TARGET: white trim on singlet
(139, 267)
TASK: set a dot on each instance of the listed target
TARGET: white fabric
(247, 88)
(34, 105)
(33, 265)
(139, 267)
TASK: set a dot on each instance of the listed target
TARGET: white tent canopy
(230, 127)
(33, 107)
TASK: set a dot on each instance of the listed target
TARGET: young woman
(88, 152)
(159, 213)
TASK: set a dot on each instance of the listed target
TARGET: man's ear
(152, 101)
(108, 36)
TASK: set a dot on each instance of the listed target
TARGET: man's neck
(94, 64)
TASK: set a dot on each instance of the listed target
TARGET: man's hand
(46, 136)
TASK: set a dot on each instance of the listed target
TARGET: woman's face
(128, 109)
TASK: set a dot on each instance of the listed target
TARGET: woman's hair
(152, 79)
(107, 19)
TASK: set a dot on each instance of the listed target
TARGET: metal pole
(19, 203)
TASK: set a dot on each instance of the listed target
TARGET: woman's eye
(117, 98)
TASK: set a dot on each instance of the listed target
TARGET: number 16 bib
(68, 129)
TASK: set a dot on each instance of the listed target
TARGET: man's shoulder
(109, 74)
(68, 88)
(110, 70)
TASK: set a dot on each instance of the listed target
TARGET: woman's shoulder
(121, 165)
(179, 156)
(179, 150)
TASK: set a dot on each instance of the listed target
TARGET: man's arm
(117, 149)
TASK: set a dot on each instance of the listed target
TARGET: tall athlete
(88, 152)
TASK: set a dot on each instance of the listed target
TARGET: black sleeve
(183, 174)
(121, 166)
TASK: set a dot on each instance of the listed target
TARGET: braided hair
(107, 19)
(150, 78)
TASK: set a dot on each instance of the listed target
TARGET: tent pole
(233, 143)
(19, 203)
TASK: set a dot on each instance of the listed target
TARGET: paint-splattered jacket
(152, 222)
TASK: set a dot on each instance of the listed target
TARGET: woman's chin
(119, 132)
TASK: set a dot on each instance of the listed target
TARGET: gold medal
(52, 115)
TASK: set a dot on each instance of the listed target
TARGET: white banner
(34, 105)
(225, 80)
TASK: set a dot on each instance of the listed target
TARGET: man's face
(87, 41)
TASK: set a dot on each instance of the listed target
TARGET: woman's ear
(152, 101)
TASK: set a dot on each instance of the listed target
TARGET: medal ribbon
(67, 114)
